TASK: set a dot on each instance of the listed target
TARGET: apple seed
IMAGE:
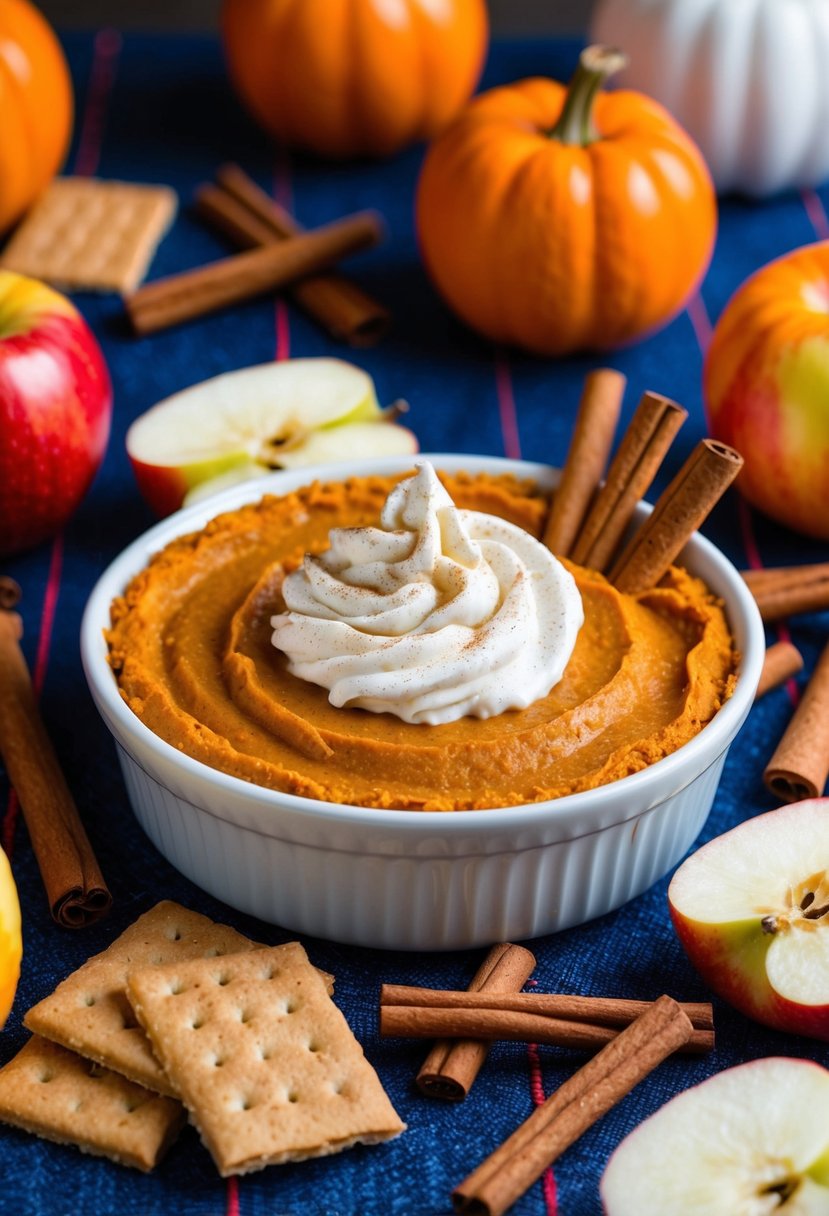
(785, 1189)
(808, 903)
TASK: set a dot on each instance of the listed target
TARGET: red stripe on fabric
(283, 193)
(44, 643)
(283, 331)
(816, 213)
(548, 1182)
(47, 616)
(506, 407)
(107, 48)
(755, 561)
(232, 1208)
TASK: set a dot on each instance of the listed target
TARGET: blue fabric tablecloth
(161, 110)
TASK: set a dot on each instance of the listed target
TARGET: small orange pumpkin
(559, 220)
(35, 105)
(354, 77)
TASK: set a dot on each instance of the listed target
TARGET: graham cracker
(262, 1057)
(84, 234)
(89, 1011)
(57, 1095)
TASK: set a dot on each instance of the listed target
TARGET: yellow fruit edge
(11, 946)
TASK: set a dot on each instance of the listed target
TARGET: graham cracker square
(261, 1057)
(84, 234)
(89, 1011)
(59, 1096)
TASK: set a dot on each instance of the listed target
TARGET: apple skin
(732, 961)
(766, 386)
(55, 411)
(731, 956)
(165, 490)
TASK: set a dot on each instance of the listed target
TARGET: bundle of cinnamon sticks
(580, 1022)
(630, 1038)
(277, 253)
(239, 209)
(592, 510)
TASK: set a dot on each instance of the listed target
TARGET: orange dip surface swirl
(190, 646)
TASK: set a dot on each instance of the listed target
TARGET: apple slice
(350, 439)
(750, 1141)
(244, 424)
(751, 908)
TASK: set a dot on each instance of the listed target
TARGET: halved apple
(245, 423)
(751, 908)
(750, 1141)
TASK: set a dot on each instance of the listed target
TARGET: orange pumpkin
(354, 77)
(559, 220)
(35, 107)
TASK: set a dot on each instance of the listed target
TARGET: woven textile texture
(161, 110)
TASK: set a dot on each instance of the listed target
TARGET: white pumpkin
(748, 79)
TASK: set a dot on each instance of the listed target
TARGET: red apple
(750, 1141)
(767, 387)
(751, 908)
(55, 410)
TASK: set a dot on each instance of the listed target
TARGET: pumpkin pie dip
(364, 642)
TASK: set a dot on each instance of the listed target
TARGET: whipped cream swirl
(437, 614)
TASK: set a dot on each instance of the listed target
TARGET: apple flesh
(752, 1140)
(244, 424)
(55, 411)
(751, 909)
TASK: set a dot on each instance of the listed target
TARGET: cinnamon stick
(601, 1010)
(800, 765)
(574, 1107)
(233, 219)
(789, 590)
(243, 276)
(235, 182)
(420, 1022)
(450, 1069)
(680, 509)
(74, 884)
(245, 213)
(596, 420)
(782, 661)
(645, 445)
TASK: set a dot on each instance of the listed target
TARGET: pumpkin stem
(596, 64)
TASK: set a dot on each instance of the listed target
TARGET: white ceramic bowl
(420, 880)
